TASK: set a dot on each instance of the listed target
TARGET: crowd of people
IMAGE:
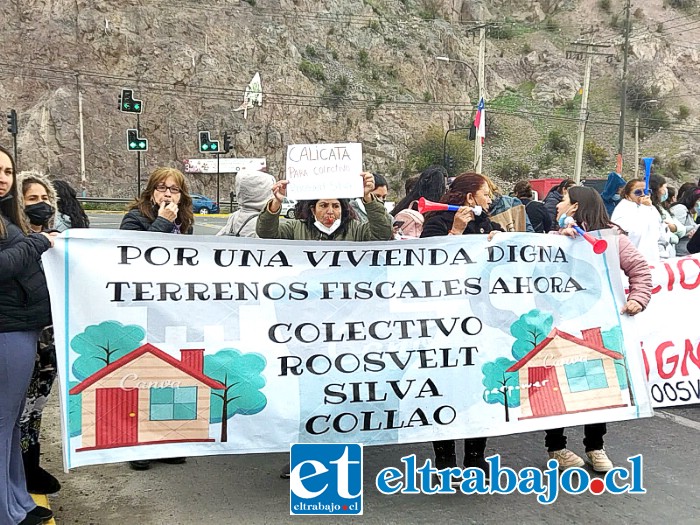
(652, 222)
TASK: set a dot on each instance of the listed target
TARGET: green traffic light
(132, 145)
(213, 146)
(137, 106)
(142, 145)
(205, 146)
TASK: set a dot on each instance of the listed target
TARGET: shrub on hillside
(595, 155)
(557, 142)
(312, 71)
(512, 170)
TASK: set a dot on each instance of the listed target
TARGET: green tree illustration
(102, 344)
(529, 331)
(75, 412)
(501, 386)
(241, 375)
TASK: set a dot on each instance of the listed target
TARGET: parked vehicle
(203, 205)
(596, 184)
(542, 186)
(288, 206)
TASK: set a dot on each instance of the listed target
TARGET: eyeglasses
(162, 188)
(638, 193)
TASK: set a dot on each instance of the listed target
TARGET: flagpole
(478, 146)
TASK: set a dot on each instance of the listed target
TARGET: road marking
(695, 425)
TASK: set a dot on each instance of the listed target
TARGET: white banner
(669, 337)
(226, 165)
(185, 345)
(318, 171)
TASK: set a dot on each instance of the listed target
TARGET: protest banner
(324, 171)
(669, 337)
(183, 346)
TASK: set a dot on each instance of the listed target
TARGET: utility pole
(578, 53)
(636, 147)
(623, 94)
(83, 178)
(478, 146)
(583, 117)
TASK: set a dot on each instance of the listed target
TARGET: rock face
(333, 71)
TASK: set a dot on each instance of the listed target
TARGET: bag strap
(238, 234)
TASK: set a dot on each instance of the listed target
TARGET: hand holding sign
(368, 181)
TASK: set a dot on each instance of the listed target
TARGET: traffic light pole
(138, 159)
(218, 200)
(14, 148)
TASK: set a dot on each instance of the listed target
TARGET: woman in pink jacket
(586, 207)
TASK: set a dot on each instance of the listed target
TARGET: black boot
(38, 480)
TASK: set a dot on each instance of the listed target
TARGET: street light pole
(477, 143)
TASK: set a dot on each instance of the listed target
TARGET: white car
(288, 208)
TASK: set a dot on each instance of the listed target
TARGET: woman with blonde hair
(165, 205)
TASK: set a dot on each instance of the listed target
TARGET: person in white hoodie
(253, 190)
(639, 218)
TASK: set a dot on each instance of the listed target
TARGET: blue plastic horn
(647, 172)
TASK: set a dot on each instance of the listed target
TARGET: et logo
(325, 479)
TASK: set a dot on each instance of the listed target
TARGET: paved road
(247, 489)
(203, 224)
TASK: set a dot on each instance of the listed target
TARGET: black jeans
(593, 437)
(445, 451)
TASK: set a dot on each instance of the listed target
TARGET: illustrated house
(146, 396)
(565, 374)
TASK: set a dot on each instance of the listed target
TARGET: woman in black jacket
(24, 311)
(471, 192)
(165, 205)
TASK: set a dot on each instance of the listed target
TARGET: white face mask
(328, 230)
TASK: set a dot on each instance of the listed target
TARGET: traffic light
(128, 104)
(206, 145)
(450, 163)
(134, 142)
(227, 143)
(12, 122)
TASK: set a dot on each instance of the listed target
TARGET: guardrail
(231, 205)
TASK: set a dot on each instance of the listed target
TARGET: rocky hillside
(342, 70)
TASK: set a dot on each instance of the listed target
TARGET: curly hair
(68, 204)
(145, 201)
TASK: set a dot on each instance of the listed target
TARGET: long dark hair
(145, 202)
(431, 185)
(304, 209)
(689, 198)
(563, 185)
(591, 213)
(655, 183)
(68, 204)
(9, 208)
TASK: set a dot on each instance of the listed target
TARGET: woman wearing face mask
(165, 206)
(471, 192)
(637, 216)
(684, 211)
(586, 207)
(38, 199)
(326, 219)
(672, 230)
(24, 311)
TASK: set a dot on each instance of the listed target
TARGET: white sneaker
(599, 460)
(567, 459)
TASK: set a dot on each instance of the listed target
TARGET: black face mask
(39, 213)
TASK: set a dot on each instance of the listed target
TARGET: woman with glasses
(640, 220)
(685, 211)
(165, 205)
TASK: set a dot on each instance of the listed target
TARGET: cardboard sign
(324, 171)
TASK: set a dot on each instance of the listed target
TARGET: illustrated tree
(241, 375)
(102, 344)
(529, 331)
(75, 412)
(501, 386)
